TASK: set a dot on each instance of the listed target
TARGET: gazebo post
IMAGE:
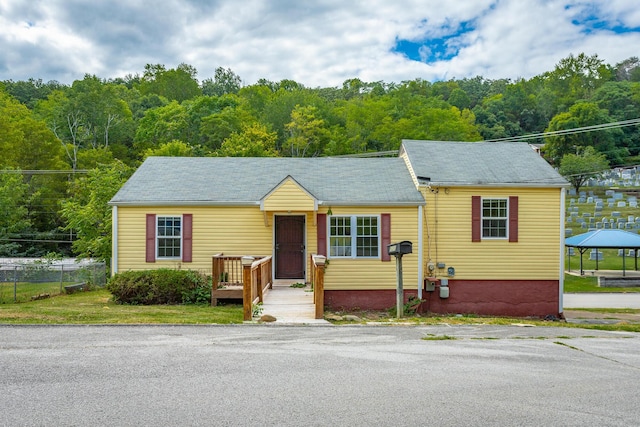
(624, 268)
(581, 268)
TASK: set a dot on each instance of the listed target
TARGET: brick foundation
(520, 298)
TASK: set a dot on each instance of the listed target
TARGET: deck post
(247, 300)
(259, 282)
(318, 286)
(215, 277)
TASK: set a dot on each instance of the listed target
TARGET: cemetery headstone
(593, 254)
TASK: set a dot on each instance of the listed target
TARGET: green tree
(31, 91)
(173, 148)
(27, 144)
(624, 70)
(579, 115)
(224, 82)
(87, 213)
(460, 99)
(254, 141)
(578, 168)
(576, 78)
(308, 133)
(177, 84)
(161, 125)
(25, 141)
(13, 212)
(217, 127)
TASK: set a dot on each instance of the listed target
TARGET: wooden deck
(250, 278)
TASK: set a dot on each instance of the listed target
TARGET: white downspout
(420, 251)
(562, 234)
(114, 242)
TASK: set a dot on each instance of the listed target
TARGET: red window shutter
(151, 238)
(513, 218)
(385, 231)
(322, 234)
(187, 237)
(476, 219)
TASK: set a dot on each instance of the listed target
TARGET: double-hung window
(169, 236)
(354, 236)
(495, 218)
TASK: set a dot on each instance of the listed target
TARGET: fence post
(15, 283)
(247, 299)
(61, 276)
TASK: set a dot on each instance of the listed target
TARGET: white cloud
(320, 43)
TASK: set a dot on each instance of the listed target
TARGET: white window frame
(353, 236)
(159, 237)
(504, 218)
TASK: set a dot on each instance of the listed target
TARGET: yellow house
(493, 227)
(179, 212)
(485, 220)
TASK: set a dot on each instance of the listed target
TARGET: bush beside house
(161, 286)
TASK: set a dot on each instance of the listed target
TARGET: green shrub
(162, 286)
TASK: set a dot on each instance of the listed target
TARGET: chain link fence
(27, 279)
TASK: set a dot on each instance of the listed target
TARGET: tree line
(89, 136)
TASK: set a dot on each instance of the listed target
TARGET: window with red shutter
(151, 238)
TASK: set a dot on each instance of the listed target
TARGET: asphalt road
(260, 375)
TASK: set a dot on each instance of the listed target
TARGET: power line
(592, 128)
(43, 171)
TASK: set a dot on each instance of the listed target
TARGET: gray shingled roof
(480, 163)
(242, 180)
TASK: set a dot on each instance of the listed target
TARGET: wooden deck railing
(318, 263)
(226, 270)
(256, 279)
(227, 277)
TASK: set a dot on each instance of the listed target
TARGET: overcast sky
(316, 43)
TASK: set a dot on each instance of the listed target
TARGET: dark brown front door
(289, 247)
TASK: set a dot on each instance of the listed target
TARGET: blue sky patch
(590, 22)
(430, 50)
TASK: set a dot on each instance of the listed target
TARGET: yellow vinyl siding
(289, 197)
(232, 230)
(536, 255)
(242, 231)
(367, 273)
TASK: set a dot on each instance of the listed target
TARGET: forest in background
(66, 149)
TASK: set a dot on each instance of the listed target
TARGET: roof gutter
(493, 185)
(257, 203)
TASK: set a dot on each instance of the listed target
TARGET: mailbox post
(398, 250)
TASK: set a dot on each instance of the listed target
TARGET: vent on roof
(424, 178)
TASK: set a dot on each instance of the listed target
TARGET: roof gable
(289, 195)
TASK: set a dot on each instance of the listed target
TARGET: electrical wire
(573, 131)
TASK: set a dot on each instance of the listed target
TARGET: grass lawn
(24, 291)
(589, 284)
(96, 307)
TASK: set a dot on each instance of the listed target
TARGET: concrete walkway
(291, 305)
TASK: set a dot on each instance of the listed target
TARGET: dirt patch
(591, 315)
